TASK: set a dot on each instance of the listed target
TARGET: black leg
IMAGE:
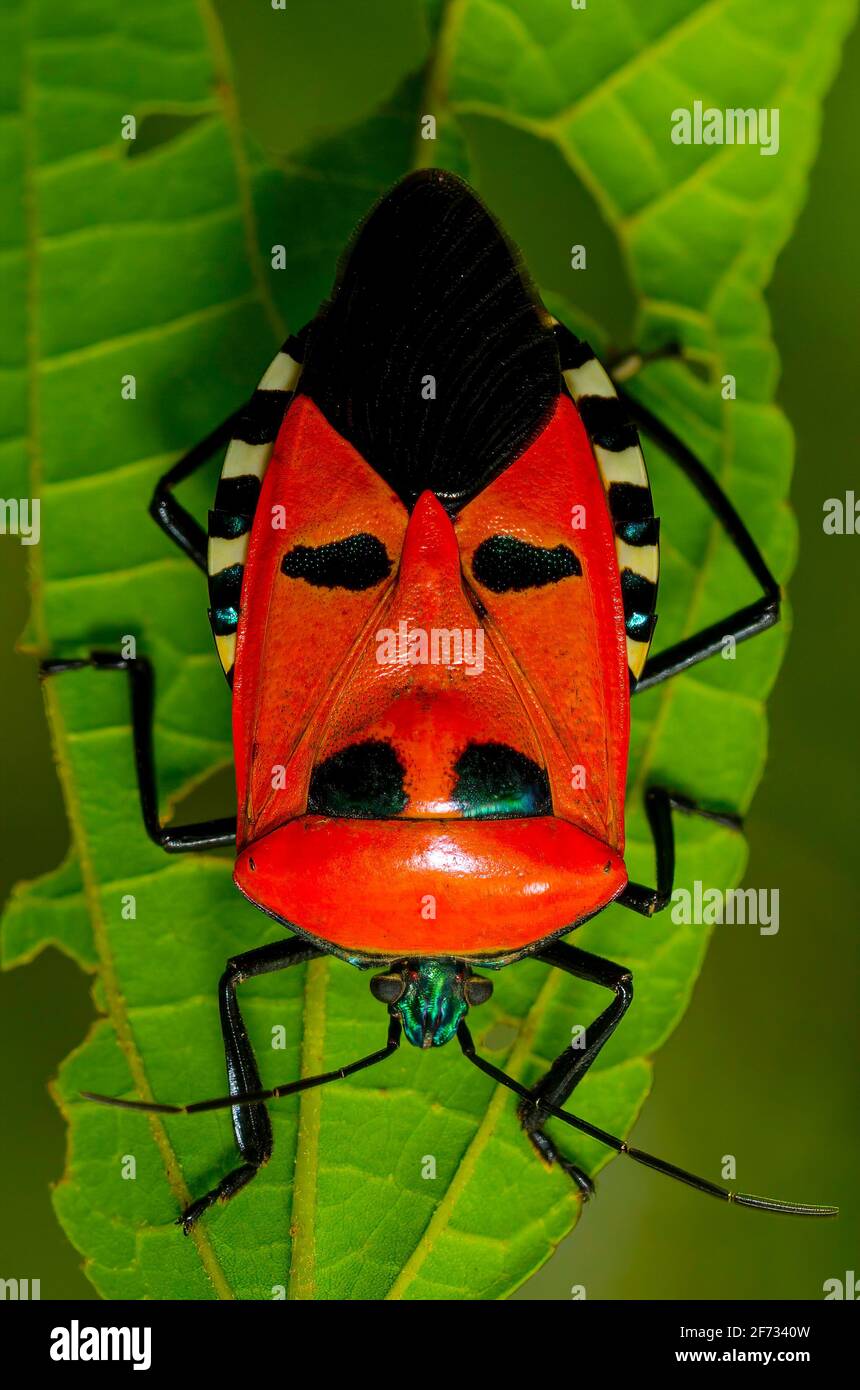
(745, 622)
(568, 1069)
(180, 839)
(171, 516)
(254, 1135)
(659, 805)
(251, 1124)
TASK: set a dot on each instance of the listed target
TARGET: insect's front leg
(251, 1124)
(571, 1065)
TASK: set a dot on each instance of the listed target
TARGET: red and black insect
(433, 565)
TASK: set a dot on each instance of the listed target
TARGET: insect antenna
(306, 1083)
(659, 1165)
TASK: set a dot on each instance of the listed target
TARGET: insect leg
(251, 1124)
(568, 1069)
(179, 839)
(744, 622)
(659, 805)
(164, 508)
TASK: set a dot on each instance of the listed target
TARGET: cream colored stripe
(642, 559)
(625, 466)
(226, 552)
(637, 653)
(226, 650)
(281, 374)
(589, 380)
(242, 458)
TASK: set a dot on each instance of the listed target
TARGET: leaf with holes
(154, 271)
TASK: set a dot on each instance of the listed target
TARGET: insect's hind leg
(571, 1065)
(659, 805)
(251, 1124)
(181, 839)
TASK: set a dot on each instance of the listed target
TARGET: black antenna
(464, 1038)
(740, 1199)
(307, 1083)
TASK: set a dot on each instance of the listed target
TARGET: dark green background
(764, 1065)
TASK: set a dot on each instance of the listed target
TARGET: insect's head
(430, 997)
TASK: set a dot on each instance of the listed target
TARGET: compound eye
(388, 989)
(478, 990)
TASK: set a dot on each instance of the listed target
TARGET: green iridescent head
(430, 997)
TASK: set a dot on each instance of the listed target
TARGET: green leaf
(157, 265)
(52, 911)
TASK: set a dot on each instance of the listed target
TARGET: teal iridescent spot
(636, 532)
(224, 621)
(225, 589)
(227, 526)
(639, 596)
(495, 782)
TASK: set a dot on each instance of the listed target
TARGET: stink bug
(420, 641)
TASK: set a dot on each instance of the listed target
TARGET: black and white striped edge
(616, 448)
(232, 517)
